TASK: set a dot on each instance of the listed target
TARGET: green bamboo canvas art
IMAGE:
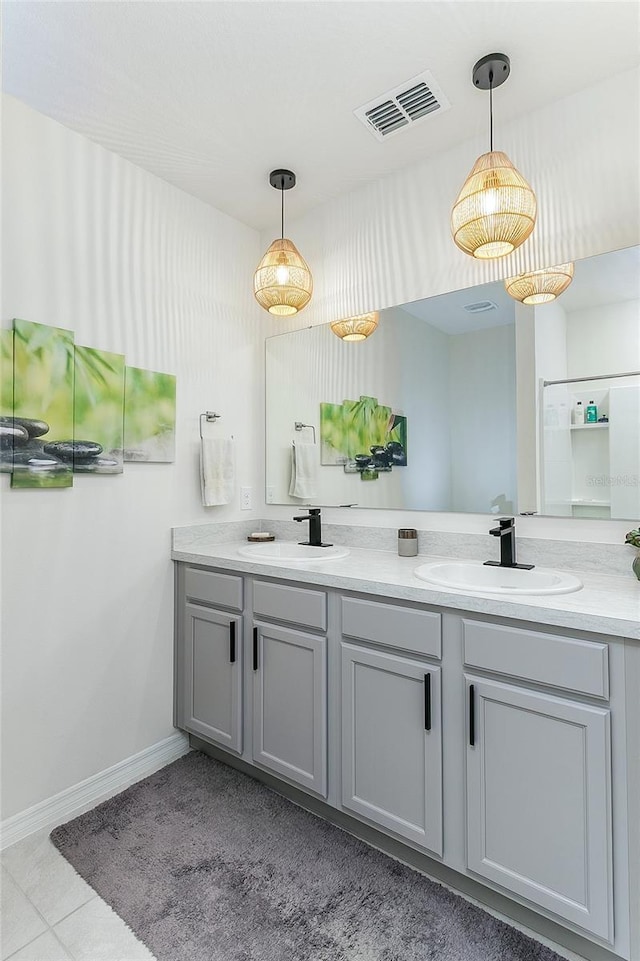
(43, 376)
(7, 428)
(332, 435)
(98, 436)
(363, 436)
(149, 415)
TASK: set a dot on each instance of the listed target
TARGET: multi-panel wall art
(363, 436)
(67, 409)
(42, 415)
(150, 416)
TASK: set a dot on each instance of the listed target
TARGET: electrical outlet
(246, 498)
(270, 495)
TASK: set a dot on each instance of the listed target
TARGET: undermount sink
(475, 576)
(285, 552)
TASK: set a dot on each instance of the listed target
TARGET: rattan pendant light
(540, 286)
(356, 328)
(282, 282)
(496, 209)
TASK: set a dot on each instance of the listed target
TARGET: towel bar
(299, 425)
(211, 417)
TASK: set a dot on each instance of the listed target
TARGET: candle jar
(407, 542)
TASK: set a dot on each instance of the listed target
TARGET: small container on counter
(407, 542)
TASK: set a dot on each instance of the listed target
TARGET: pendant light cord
(491, 109)
(282, 210)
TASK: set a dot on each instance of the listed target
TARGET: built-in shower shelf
(585, 502)
(589, 426)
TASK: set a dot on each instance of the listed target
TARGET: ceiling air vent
(480, 307)
(403, 106)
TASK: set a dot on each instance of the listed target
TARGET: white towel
(304, 471)
(217, 470)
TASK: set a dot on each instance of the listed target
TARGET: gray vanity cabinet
(213, 675)
(347, 696)
(392, 743)
(290, 684)
(539, 820)
(391, 718)
(209, 656)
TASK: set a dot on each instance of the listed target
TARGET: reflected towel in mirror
(304, 471)
(217, 470)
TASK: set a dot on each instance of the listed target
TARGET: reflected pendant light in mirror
(282, 282)
(356, 328)
(540, 286)
(495, 211)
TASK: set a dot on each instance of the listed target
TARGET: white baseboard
(85, 795)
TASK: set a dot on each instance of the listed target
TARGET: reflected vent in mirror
(480, 307)
(402, 107)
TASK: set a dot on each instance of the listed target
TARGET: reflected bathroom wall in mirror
(447, 365)
(441, 370)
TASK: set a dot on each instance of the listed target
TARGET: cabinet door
(213, 675)
(392, 743)
(539, 800)
(290, 705)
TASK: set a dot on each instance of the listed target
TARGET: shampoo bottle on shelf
(578, 414)
(592, 413)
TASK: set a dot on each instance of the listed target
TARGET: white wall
(604, 340)
(389, 242)
(482, 395)
(132, 265)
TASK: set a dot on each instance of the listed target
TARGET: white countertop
(606, 605)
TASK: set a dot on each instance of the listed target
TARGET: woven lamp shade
(496, 209)
(540, 286)
(282, 282)
(356, 328)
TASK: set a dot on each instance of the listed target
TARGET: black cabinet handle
(427, 702)
(472, 715)
(255, 648)
(232, 641)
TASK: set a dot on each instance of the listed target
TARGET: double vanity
(478, 722)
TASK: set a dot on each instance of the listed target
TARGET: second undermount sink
(286, 552)
(475, 576)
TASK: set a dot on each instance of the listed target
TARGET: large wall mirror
(468, 402)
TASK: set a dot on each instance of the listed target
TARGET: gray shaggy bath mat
(206, 864)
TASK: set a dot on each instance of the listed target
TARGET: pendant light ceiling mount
(491, 71)
(282, 282)
(282, 179)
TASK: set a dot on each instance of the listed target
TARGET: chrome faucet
(315, 528)
(506, 531)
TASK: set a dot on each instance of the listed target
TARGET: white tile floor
(49, 913)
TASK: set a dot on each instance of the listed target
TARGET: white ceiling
(211, 96)
(446, 312)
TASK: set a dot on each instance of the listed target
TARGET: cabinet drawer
(297, 605)
(404, 627)
(223, 590)
(563, 662)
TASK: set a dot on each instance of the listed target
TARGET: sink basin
(285, 552)
(474, 576)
